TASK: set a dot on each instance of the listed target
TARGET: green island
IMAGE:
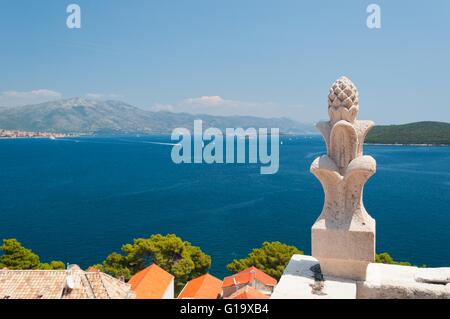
(420, 133)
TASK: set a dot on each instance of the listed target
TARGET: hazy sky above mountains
(262, 58)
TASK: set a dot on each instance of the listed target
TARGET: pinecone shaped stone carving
(343, 93)
(343, 100)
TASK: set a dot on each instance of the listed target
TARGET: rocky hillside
(80, 115)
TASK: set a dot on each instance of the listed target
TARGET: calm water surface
(79, 199)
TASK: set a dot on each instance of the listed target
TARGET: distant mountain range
(79, 115)
(433, 133)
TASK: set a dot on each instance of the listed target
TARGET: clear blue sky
(267, 58)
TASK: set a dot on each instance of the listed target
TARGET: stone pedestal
(343, 237)
(327, 246)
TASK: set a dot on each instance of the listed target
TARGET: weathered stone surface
(433, 275)
(384, 273)
(302, 280)
(399, 282)
(343, 237)
(369, 290)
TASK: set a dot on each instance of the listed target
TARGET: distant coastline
(413, 134)
(408, 144)
(25, 134)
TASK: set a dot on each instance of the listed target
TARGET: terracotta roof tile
(92, 269)
(248, 293)
(203, 287)
(151, 282)
(247, 276)
(61, 284)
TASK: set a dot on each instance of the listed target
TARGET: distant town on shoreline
(24, 134)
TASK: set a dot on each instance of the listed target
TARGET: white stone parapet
(404, 282)
(302, 279)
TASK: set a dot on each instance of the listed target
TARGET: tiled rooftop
(203, 287)
(248, 292)
(61, 284)
(247, 276)
(151, 282)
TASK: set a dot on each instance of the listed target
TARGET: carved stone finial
(343, 237)
(343, 100)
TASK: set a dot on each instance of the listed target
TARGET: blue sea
(79, 199)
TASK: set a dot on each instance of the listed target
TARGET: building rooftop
(61, 284)
(247, 276)
(248, 292)
(203, 287)
(151, 282)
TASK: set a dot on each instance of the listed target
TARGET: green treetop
(16, 257)
(385, 258)
(170, 252)
(272, 258)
